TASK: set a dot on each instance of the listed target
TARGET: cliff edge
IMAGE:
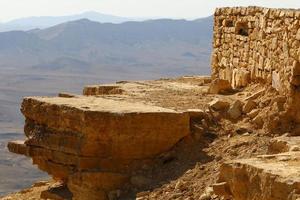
(234, 135)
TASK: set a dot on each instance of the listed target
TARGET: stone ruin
(262, 45)
(96, 142)
(254, 44)
(257, 44)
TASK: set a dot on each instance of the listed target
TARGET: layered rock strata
(94, 144)
(265, 177)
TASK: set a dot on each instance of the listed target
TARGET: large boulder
(94, 145)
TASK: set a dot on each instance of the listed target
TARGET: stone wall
(257, 44)
(254, 44)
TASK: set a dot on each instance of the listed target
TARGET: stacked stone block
(255, 44)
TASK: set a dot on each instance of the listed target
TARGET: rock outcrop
(93, 144)
(274, 176)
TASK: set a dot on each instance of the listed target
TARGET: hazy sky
(10, 9)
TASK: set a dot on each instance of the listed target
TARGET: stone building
(254, 44)
(257, 44)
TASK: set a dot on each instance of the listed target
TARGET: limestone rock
(207, 194)
(241, 78)
(18, 147)
(235, 110)
(255, 95)
(104, 118)
(284, 144)
(253, 113)
(93, 90)
(219, 86)
(258, 120)
(262, 178)
(276, 81)
(66, 95)
(94, 144)
(249, 106)
(221, 189)
(218, 104)
(196, 113)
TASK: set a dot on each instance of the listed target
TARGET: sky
(188, 9)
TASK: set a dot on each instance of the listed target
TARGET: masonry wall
(254, 44)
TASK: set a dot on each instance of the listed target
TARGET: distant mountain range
(29, 23)
(161, 47)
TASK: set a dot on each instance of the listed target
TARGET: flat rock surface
(285, 165)
(100, 104)
(265, 177)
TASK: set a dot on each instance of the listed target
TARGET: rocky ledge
(139, 144)
(93, 144)
(266, 177)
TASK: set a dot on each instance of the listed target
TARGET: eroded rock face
(265, 177)
(94, 144)
(269, 177)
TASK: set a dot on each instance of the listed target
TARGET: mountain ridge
(158, 44)
(28, 23)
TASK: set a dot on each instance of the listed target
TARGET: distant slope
(47, 21)
(154, 48)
